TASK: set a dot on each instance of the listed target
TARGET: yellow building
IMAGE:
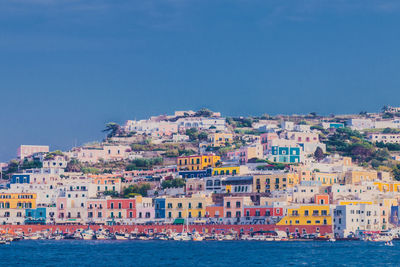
(354, 202)
(307, 215)
(186, 207)
(17, 201)
(304, 173)
(388, 186)
(199, 162)
(355, 177)
(326, 178)
(220, 139)
(226, 170)
(275, 181)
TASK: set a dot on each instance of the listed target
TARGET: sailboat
(184, 236)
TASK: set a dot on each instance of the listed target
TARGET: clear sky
(69, 66)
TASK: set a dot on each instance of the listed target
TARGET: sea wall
(322, 229)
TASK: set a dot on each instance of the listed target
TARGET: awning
(179, 221)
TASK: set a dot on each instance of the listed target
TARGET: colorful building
(187, 207)
(220, 139)
(307, 215)
(285, 154)
(265, 183)
(199, 162)
(121, 211)
(35, 216)
(226, 170)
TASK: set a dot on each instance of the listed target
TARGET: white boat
(101, 236)
(197, 237)
(120, 236)
(87, 235)
(332, 240)
(34, 236)
(228, 237)
(182, 237)
(389, 243)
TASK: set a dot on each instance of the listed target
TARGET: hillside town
(336, 175)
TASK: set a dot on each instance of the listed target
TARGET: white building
(202, 123)
(93, 154)
(360, 124)
(348, 219)
(305, 193)
(57, 161)
(287, 125)
(156, 128)
(28, 150)
(385, 138)
(177, 138)
(366, 191)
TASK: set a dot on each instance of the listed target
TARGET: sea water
(207, 253)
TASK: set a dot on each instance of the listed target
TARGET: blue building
(159, 207)
(196, 174)
(35, 216)
(285, 154)
(20, 179)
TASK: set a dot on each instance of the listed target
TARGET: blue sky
(69, 66)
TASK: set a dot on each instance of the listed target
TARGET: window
(228, 204)
(228, 214)
(237, 204)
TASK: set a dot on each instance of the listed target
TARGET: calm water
(211, 253)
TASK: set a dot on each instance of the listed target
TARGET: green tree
(319, 154)
(174, 183)
(396, 172)
(203, 113)
(113, 129)
(74, 166)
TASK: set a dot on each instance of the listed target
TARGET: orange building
(321, 199)
(214, 211)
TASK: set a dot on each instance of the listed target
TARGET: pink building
(243, 154)
(303, 137)
(266, 139)
(28, 150)
(234, 206)
(194, 185)
(97, 210)
(144, 209)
